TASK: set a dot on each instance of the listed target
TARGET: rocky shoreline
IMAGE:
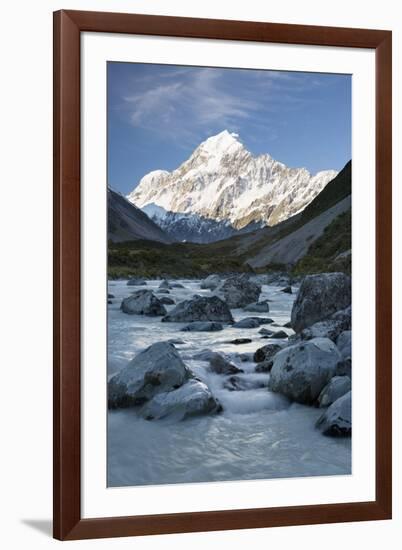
(308, 363)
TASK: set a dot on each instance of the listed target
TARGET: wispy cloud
(181, 103)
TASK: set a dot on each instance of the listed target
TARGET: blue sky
(158, 114)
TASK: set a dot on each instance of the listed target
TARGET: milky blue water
(259, 435)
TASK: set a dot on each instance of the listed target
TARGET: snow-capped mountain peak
(222, 144)
(222, 182)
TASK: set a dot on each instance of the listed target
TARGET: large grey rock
(239, 291)
(336, 387)
(156, 369)
(252, 322)
(143, 302)
(248, 322)
(301, 371)
(267, 352)
(210, 308)
(344, 343)
(211, 282)
(192, 399)
(337, 419)
(258, 307)
(319, 297)
(203, 326)
(135, 281)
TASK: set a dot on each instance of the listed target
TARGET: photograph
(229, 274)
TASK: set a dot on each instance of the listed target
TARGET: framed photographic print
(211, 180)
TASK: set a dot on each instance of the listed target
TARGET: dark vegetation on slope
(329, 252)
(152, 259)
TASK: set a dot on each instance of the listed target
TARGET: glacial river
(259, 434)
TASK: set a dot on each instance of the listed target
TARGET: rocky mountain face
(128, 223)
(222, 189)
(320, 235)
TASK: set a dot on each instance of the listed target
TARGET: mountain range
(318, 238)
(223, 190)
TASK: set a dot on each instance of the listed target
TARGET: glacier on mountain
(223, 189)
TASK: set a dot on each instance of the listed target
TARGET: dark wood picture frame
(68, 26)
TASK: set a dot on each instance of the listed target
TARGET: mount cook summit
(222, 190)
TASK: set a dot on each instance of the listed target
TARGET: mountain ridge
(223, 183)
(126, 222)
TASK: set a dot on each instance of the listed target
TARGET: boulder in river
(344, 368)
(258, 307)
(265, 366)
(319, 297)
(203, 326)
(266, 332)
(134, 281)
(287, 290)
(204, 308)
(252, 322)
(219, 363)
(279, 335)
(143, 302)
(239, 341)
(241, 383)
(337, 419)
(344, 343)
(163, 291)
(164, 284)
(323, 329)
(301, 371)
(176, 285)
(192, 399)
(166, 301)
(211, 282)
(266, 352)
(239, 291)
(248, 322)
(158, 368)
(336, 387)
